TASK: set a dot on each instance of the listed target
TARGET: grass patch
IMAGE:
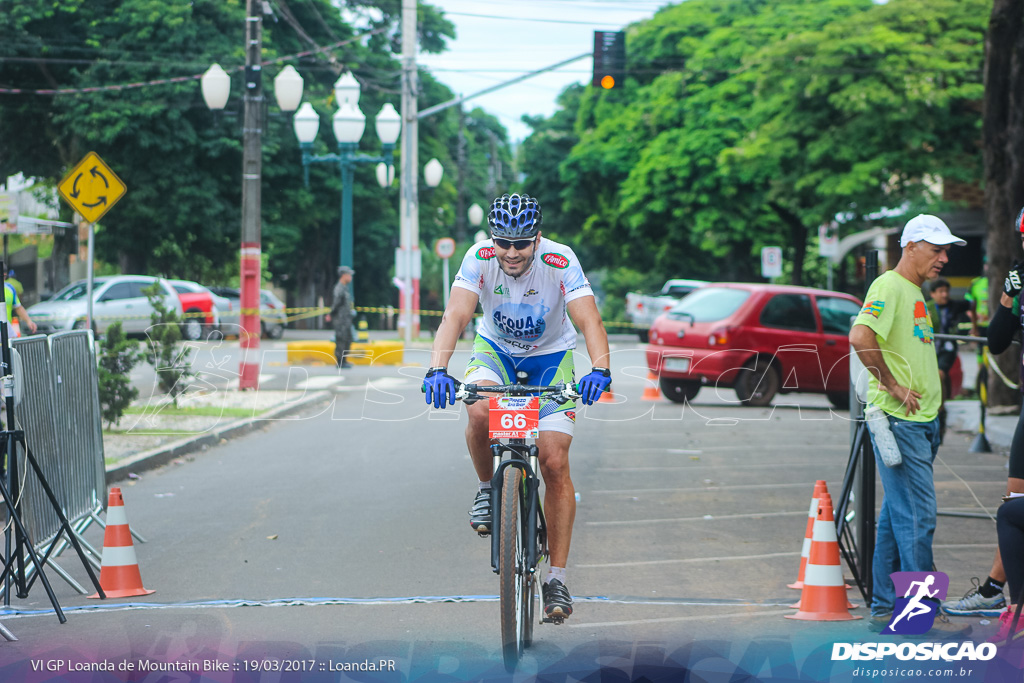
(206, 411)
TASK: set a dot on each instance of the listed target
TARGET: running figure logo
(922, 592)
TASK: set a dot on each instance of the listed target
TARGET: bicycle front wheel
(512, 569)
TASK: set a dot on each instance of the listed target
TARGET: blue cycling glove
(591, 386)
(439, 385)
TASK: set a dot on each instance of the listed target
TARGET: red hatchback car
(758, 339)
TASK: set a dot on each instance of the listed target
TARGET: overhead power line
(179, 79)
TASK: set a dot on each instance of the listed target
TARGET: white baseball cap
(931, 229)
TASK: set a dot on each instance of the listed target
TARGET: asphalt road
(340, 536)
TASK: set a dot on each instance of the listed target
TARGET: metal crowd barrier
(60, 414)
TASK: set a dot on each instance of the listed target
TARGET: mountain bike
(519, 535)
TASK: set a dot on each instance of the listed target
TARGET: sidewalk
(161, 434)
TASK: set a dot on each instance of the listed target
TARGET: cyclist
(532, 291)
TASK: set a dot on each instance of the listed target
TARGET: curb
(151, 459)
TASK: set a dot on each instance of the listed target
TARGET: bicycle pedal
(557, 620)
(483, 533)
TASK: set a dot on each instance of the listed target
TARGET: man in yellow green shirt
(977, 298)
(894, 339)
(14, 307)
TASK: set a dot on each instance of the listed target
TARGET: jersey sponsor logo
(873, 308)
(555, 260)
(502, 291)
(571, 414)
(485, 253)
(520, 321)
(531, 292)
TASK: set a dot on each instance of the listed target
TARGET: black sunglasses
(520, 245)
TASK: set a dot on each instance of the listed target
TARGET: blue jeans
(906, 523)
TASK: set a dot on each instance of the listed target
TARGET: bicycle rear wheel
(512, 569)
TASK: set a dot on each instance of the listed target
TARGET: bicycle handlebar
(559, 393)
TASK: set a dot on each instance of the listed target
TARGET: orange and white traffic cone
(607, 397)
(824, 594)
(119, 571)
(819, 488)
(652, 392)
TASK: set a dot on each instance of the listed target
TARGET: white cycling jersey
(526, 316)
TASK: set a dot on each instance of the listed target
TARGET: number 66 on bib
(514, 417)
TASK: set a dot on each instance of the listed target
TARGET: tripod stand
(860, 468)
(17, 541)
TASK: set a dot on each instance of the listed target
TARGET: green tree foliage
(118, 355)
(182, 163)
(170, 359)
(747, 123)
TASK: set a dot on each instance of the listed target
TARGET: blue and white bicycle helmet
(513, 216)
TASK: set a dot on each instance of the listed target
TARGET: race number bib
(514, 417)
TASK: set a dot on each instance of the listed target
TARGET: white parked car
(115, 298)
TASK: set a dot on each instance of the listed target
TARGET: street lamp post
(348, 124)
(215, 86)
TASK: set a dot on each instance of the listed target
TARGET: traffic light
(609, 59)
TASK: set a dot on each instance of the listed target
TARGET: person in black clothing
(946, 315)
(986, 599)
(1010, 527)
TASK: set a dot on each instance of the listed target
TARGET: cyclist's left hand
(592, 386)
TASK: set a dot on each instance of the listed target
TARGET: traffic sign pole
(90, 256)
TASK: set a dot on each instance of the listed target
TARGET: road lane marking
(710, 487)
(666, 620)
(318, 382)
(670, 468)
(702, 518)
(99, 608)
(687, 560)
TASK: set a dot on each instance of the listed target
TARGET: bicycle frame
(525, 457)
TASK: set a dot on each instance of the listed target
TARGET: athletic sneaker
(1005, 619)
(975, 604)
(557, 601)
(480, 513)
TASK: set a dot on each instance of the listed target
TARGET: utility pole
(409, 205)
(252, 170)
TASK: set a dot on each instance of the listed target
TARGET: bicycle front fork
(526, 459)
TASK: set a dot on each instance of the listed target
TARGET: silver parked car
(116, 298)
